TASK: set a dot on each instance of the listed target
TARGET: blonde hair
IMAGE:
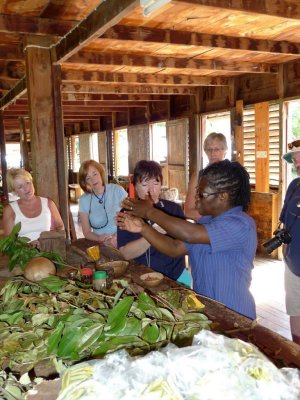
(13, 174)
(83, 171)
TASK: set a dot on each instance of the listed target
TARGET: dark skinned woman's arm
(176, 227)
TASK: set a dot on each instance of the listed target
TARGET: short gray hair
(215, 136)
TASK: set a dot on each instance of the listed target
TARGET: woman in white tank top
(36, 214)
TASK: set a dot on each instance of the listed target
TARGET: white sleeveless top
(32, 227)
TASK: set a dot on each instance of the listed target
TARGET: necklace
(148, 256)
(100, 198)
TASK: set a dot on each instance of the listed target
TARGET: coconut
(38, 268)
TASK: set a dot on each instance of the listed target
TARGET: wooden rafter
(107, 14)
(92, 77)
(180, 37)
(129, 89)
(35, 25)
(83, 57)
(279, 8)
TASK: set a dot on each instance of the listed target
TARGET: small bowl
(119, 267)
(152, 279)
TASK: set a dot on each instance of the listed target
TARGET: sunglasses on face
(295, 143)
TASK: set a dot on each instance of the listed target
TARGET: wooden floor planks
(268, 290)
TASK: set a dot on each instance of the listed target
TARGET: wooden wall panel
(138, 145)
(264, 210)
(102, 149)
(177, 136)
(84, 147)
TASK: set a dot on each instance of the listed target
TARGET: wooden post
(239, 132)
(262, 147)
(62, 176)
(3, 156)
(41, 104)
(24, 145)
(194, 144)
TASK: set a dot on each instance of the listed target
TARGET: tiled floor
(267, 289)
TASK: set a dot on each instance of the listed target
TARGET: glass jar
(87, 275)
(99, 280)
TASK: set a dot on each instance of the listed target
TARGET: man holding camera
(290, 217)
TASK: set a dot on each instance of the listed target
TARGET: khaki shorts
(292, 292)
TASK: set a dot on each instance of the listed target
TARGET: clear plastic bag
(213, 367)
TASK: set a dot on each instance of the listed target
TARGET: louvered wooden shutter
(274, 140)
(249, 142)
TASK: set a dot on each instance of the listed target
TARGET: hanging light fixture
(150, 6)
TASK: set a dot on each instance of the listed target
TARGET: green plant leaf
(151, 333)
(143, 297)
(89, 337)
(55, 337)
(119, 312)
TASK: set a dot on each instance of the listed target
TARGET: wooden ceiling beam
(178, 37)
(88, 112)
(112, 97)
(34, 25)
(105, 103)
(278, 8)
(92, 77)
(105, 15)
(14, 93)
(11, 52)
(129, 89)
(90, 106)
(160, 63)
(7, 83)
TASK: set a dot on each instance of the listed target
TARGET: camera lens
(272, 244)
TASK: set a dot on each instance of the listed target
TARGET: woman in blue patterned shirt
(221, 245)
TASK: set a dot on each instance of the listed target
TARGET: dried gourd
(39, 268)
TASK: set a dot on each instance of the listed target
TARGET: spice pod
(152, 279)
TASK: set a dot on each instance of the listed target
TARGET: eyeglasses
(205, 195)
(213, 150)
(295, 143)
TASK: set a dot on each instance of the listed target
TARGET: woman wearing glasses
(221, 245)
(215, 147)
(147, 180)
(99, 204)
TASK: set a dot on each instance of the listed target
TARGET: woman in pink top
(36, 214)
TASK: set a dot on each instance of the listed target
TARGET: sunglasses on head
(295, 143)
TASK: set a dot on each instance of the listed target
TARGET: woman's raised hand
(138, 207)
(129, 222)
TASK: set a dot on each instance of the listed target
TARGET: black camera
(281, 236)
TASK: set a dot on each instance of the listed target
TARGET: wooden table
(281, 351)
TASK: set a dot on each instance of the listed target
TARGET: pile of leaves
(56, 320)
(20, 251)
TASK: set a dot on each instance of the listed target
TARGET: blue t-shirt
(169, 266)
(221, 270)
(290, 216)
(98, 213)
